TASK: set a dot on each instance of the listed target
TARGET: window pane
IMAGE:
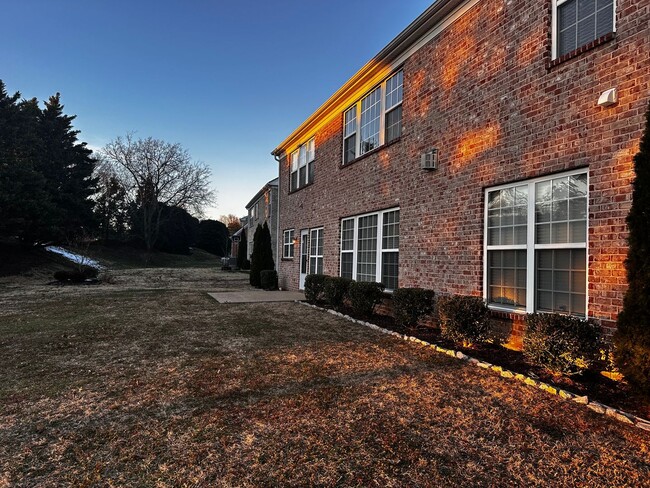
(347, 235)
(346, 264)
(394, 124)
(394, 92)
(390, 231)
(302, 179)
(507, 278)
(563, 202)
(390, 269)
(582, 21)
(294, 180)
(349, 151)
(508, 216)
(311, 150)
(561, 281)
(367, 249)
(310, 172)
(370, 119)
(350, 121)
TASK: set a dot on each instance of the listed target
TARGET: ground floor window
(316, 251)
(287, 247)
(370, 247)
(536, 244)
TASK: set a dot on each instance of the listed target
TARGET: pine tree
(632, 337)
(68, 168)
(262, 256)
(24, 201)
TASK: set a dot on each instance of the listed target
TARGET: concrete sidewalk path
(257, 296)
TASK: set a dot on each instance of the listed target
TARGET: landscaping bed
(591, 383)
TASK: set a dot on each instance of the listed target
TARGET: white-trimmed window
(374, 120)
(370, 248)
(579, 22)
(302, 165)
(536, 245)
(316, 251)
(287, 247)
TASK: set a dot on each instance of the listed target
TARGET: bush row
(561, 343)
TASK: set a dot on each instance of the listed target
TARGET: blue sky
(229, 80)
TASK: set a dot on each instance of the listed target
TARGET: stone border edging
(597, 407)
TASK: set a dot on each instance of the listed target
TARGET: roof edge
(417, 29)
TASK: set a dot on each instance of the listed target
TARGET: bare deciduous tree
(156, 174)
(232, 222)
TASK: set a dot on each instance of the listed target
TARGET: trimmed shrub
(632, 336)
(269, 279)
(314, 287)
(464, 319)
(77, 275)
(364, 295)
(411, 304)
(335, 291)
(562, 343)
(262, 256)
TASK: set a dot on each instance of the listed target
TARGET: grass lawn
(149, 382)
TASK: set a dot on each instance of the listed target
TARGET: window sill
(582, 49)
(291, 192)
(286, 259)
(370, 153)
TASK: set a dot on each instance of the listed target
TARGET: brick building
(263, 207)
(487, 150)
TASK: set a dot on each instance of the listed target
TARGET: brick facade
(487, 95)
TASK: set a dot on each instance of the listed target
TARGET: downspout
(277, 233)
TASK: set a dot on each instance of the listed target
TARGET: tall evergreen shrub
(262, 256)
(632, 337)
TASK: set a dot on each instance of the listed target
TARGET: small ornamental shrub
(76, 276)
(364, 296)
(262, 256)
(464, 319)
(335, 290)
(562, 343)
(411, 304)
(632, 336)
(269, 279)
(314, 287)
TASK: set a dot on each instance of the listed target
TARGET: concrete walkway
(257, 296)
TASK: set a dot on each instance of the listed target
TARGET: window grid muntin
(362, 134)
(605, 22)
(316, 251)
(531, 247)
(385, 262)
(287, 247)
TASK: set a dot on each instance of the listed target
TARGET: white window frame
(302, 157)
(384, 110)
(379, 250)
(554, 26)
(287, 244)
(315, 230)
(530, 247)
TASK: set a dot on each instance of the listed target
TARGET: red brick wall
(482, 93)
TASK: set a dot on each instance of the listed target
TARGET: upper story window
(579, 22)
(374, 120)
(302, 165)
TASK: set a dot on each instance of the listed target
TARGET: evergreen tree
(178, 230)
(262, 256)
(24, 200)
(111, 206)
(632, 337)
(242, 251)
(68, 166)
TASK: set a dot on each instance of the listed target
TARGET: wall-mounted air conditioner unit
(430, 159)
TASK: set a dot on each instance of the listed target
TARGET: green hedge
(562, 343)
(335, 291)
(464, 319)
(314, 287)
(364, 296)
(411, 304)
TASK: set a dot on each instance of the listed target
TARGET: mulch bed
(617, 394)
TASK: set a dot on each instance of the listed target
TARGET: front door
(304, 257)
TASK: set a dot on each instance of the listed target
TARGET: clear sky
(229, 80)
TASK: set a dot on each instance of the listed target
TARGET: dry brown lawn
(149, 382)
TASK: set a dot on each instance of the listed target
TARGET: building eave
(373, 71)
